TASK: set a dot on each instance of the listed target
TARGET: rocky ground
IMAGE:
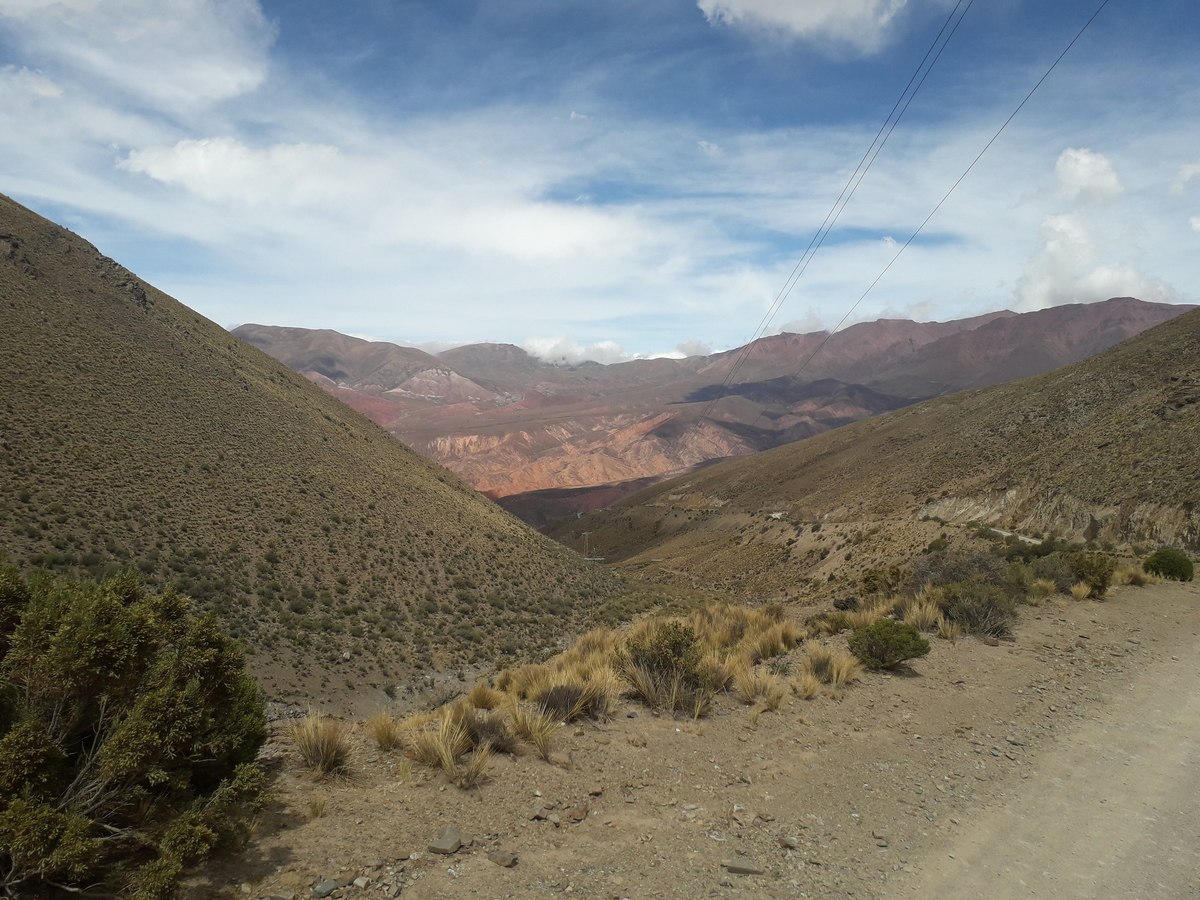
(891, 787)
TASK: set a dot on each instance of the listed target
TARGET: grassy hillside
(1104, 449)
(134, 432)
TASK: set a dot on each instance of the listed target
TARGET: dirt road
(1110, 810)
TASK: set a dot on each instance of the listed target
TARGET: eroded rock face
(1025, 510)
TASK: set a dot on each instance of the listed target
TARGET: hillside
(516, 426)
(1104, 449)
(134, 432)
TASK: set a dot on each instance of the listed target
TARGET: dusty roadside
(1109, 810)
(862, 793)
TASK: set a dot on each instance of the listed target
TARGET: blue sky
(605, 178)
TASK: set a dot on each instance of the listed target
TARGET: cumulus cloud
(862, 24)
(1086, 177)
(180, 54)
(694, 347)
(564, 350)
(1065, 270)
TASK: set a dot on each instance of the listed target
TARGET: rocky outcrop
(1026, 509)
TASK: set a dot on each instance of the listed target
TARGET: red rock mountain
(549, 440)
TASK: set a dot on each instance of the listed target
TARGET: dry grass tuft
(1081, 590)
(806, 685)
(323, 744)
(922, 614)
(947, 630)
(1043, 588)
(831, 666)
(385, 730)
(484, 696)
(475, 771)
(864, 616)
(534, 727)
(718, 670)
(441, 746)
(1133, 574)
(752, 686)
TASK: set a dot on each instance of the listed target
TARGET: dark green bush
(883, 581)
(886, 643)
(1166, 563)
(670, 648)
(1095, 570)
(980, 608)
(128, 730)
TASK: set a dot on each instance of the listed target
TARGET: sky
(603, 179)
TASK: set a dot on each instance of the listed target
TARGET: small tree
(128, 730)
(886, 643)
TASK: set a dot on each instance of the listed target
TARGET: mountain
(1104, 449)
(136, 433)
(550, 440)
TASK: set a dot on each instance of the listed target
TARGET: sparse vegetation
(887, 643)
(1169, 563)
(830, 665)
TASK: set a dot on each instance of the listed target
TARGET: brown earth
(135, 433)
(1043, 766)
(1101, 450)
(511, 424)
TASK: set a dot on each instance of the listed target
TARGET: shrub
(665, 648)
(128, 730)
(887, 643)
(322, 743)
(662, 666)
(1054, 568)
(979, 608)
(1095, 570)
(1168, 563)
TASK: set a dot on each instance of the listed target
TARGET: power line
(912, 237)
(948, 29)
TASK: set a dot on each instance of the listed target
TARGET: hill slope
(1103, 449)
(511, 424)
(134, 432)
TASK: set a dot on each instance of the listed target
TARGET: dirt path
(1109, 811)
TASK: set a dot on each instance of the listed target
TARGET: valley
(549, 440)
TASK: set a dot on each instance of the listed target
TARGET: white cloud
(694, 347)
(1186, 174)
(184, 53)
(863, 24)
(1195, 223)
(708, 148)
(1086, 177)
(224, 170)
(565, 350)
(19, 80)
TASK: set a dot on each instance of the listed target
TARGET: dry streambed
(863, 791)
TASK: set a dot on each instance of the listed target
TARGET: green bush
(1169, 563)
(128, 730)
(1056, 568)
(886, 643)
(1095, 570)
(980, 608)
(669, 648)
